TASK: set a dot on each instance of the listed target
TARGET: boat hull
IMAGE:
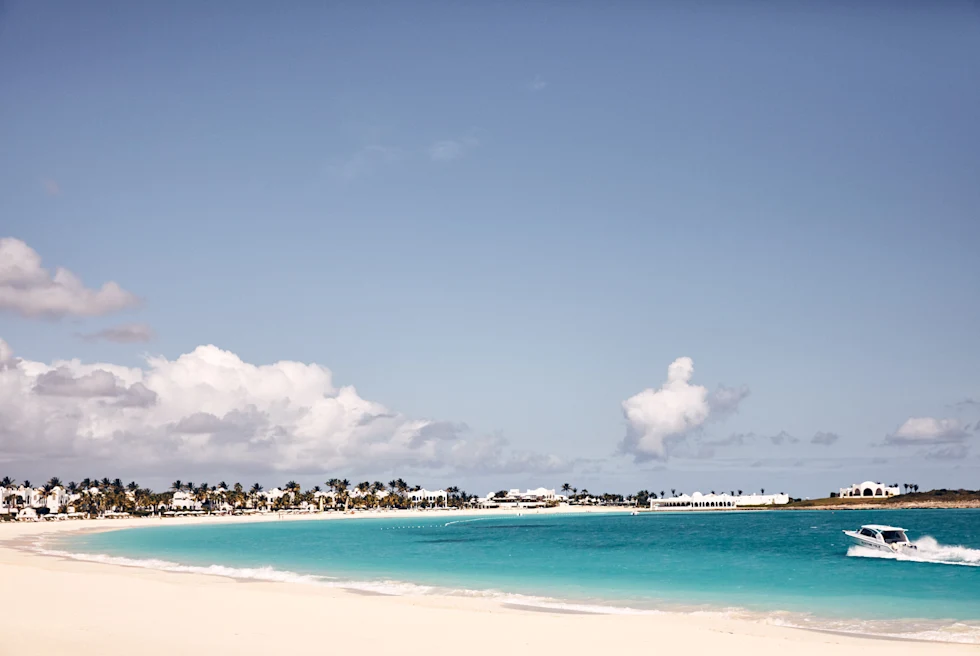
(893, 548)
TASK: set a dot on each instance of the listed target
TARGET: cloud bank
(210, 409)
(28, 289)
(656, 418)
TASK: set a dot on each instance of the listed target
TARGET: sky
(621, 245)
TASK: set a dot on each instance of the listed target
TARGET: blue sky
(516, 217)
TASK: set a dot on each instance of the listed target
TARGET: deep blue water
(762, 562)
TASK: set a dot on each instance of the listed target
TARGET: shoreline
(36, 578)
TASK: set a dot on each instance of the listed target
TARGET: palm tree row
(98, 496)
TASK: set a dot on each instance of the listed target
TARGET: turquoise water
(789, 566)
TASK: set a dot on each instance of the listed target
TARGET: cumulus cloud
(28, 289)
(824, 438)
(129, 333)
(450, 149)
(62, 382)
(927, 430)
(657, 417)
(208, 408)
(725, 400)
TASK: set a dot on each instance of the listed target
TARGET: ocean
(786, 567)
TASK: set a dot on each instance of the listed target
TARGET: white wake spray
(928, 550)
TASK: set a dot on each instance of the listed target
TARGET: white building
(432, 496)
(698, 501)
(184, 501)
(869, 489)
(58, 497)
(516, 497)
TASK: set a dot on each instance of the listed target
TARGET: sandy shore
(58, 606)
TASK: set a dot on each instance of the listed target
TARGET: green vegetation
(942, 496)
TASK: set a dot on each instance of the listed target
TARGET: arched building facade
(870, 489)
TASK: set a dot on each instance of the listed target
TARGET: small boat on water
(890, 539)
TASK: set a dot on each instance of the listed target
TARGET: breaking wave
(928, 551)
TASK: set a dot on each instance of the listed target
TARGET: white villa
(698, 501)
(432, 496)
(869, 489)
(516, 497)
(19, 499)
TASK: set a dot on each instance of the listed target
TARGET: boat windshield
(893, 536)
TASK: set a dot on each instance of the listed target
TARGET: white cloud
(209, 409)
(361, 162)
(656, 417)
(30, 290)
(450, 149)
(724, 401)
(537, 84)
(129, 333)
(927, 430)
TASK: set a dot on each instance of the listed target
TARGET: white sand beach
(61, 606)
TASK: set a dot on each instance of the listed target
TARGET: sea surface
(785, 567)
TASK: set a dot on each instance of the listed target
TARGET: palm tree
(762, 490)
(661, 494)
(673, 492)
(566, 488)
(54, 482)
(177, 486)
(27, 483)
(254, 494)
(739, 493)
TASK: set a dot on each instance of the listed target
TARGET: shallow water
(790, 567)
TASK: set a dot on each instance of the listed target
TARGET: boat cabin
(888, 534)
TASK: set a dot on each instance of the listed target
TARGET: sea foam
(958, 632)
(928, 550)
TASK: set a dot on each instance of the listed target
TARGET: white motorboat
(890, 539)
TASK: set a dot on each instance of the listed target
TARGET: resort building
(869, 489)
(184, 501)
(515, 497)
(698, 501)
(431, 496)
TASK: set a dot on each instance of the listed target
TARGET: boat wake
(928, 551)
